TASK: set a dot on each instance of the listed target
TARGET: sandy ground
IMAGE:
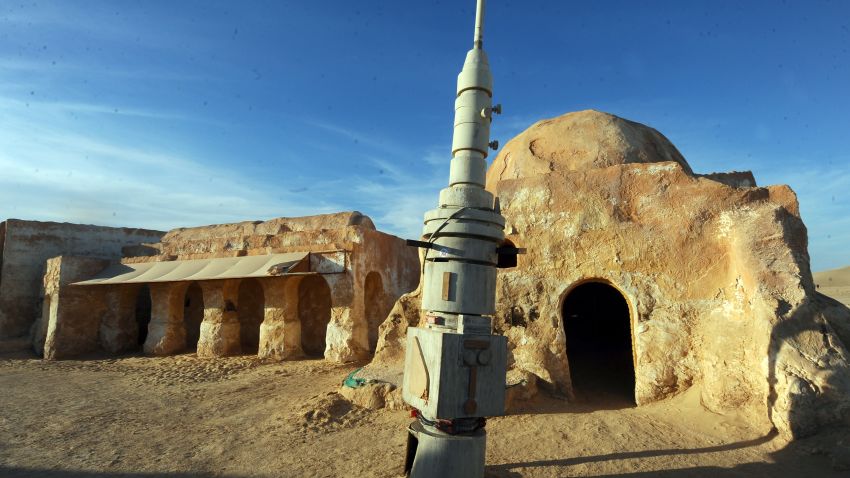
(240, 417)
(833, 277)
(841, 294)
(834, 283)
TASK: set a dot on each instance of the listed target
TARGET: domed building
(643, 279)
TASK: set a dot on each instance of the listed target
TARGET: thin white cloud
(379, 144)
(55, 108)
(104, 24)
(399, 198)
(49, 172)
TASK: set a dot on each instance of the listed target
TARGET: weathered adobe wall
(392, 333)
(349, 331)
(280, 334)
(717, 277)
(272, 227)
(28, 244)
(302, 234)
(720, 296)
(735, 179)
(70, 319)
(347, 335)
(398, 268)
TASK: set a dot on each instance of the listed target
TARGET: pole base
(434, 454)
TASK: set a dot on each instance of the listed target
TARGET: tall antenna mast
(454, 372)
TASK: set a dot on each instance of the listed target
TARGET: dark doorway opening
(251, 311)
(599, 345)
(193, 315)
(314, 311)
(143, 313)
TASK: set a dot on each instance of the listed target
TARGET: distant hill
(833, 278)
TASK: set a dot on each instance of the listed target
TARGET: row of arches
(313, 312)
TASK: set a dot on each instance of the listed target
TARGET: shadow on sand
(802, 458)
(639, 454)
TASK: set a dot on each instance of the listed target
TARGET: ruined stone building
(24, 248)
(284, 288)
(643, 279)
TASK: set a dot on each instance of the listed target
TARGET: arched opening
(374, 300)
(193, 315)
(143, 313)
(314, 312)
(599, 344)
(251, 307)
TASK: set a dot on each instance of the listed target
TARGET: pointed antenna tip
(478, 40)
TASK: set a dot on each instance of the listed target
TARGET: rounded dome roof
(579, 141)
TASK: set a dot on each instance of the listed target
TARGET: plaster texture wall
(345, 247)
(26, 245)
(69, 324)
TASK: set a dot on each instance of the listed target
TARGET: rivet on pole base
(434, 454)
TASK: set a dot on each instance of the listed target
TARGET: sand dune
(835, 283)
(833, 278)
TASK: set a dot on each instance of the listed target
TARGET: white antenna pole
(465, 243)
(478, 41)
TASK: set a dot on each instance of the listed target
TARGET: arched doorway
(193, 314)
(598, 329)
(374, 300)
(251, 308)
(314, 312)
(143, 313)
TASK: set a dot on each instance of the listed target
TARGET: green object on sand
(352, 382)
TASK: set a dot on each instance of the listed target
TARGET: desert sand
(182, 416)
(835, 283)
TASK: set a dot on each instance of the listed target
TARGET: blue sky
(166, 114)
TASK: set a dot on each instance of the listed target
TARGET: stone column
(347, 339)
(280, 332)
(220, 328)
(166, 335)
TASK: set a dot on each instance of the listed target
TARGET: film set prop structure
(454, 370)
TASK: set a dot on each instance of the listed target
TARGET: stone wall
(350, 334)
(344, 247)
(28, 244)
(322, 232)
(69, 323)
(715, 272)
(735, 179)
(346, 237)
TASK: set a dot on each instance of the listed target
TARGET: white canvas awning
(270, 265)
